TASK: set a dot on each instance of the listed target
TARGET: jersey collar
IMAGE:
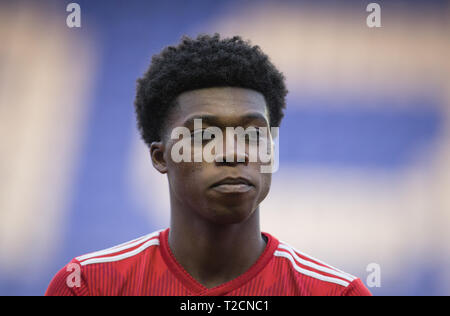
(198, 289)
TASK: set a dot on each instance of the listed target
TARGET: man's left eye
(253, 135)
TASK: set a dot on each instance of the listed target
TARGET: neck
(213, 253)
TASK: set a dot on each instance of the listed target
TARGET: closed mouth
(233, 181)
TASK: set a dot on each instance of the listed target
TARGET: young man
(214, 245)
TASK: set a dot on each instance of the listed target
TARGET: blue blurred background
(364, 171)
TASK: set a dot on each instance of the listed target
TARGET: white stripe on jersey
(316, 266)
(125, 255)
(317, 260)
(308, 272)
(123, 246)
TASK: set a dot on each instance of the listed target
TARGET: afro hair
(204, 62)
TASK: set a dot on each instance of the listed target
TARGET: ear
(157, 156)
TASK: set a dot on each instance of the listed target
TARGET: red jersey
(146, 266)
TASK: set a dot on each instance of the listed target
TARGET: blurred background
(364, 171)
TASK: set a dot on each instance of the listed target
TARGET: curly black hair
(204, 62)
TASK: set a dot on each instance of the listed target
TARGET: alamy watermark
(74, 18)
(374, 18)
(253, 144)
(74, 277)
(374, 277)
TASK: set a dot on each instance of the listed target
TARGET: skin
(214, 235)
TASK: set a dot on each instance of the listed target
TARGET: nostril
(233, 158)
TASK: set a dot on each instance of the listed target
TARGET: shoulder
(75, 277)
(120, 252)
(316, 277)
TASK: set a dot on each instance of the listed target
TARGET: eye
(203, 134)
(207, 135)
(197, 133)
(253, 135)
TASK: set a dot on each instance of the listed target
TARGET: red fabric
(147, 267)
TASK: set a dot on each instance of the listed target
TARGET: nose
(233, 152)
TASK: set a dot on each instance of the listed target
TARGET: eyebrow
(213, 120)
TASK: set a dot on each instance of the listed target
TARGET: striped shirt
(146, 266)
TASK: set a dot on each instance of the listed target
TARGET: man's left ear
(157, 156)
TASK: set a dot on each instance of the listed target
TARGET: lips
(233, 181)
(233, 185)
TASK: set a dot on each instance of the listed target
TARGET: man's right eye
(203, 134)
(207, 135)
(197, 133)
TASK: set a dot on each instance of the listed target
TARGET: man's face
(221, 192)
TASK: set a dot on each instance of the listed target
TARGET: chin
(224, 215)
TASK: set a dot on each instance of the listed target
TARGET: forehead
(226, 104)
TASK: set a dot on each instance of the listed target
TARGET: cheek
(266, 180)
(184, 174)
(185, 178)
